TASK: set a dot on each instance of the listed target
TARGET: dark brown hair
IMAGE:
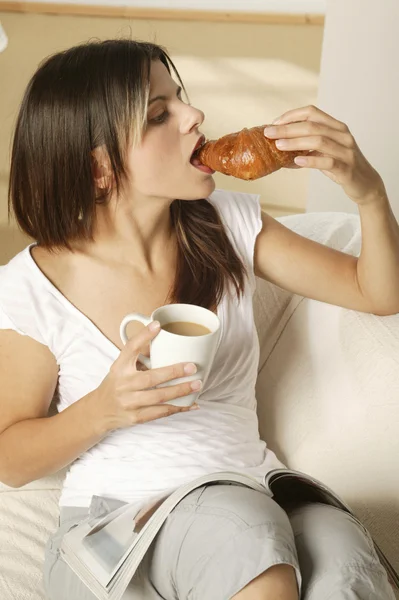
(92, 95)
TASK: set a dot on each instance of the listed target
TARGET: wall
(281, 6)
(241, 75)
(359, 85)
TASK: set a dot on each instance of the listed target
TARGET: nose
(192, 119)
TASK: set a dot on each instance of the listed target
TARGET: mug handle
(122, 332)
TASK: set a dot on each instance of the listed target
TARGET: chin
(209, 184)
(201, 190)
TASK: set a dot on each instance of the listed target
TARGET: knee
(351, 583)
(331, 536)
(335, 553)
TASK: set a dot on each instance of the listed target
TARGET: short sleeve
(7, 323)
(242, 216)
(22, 306)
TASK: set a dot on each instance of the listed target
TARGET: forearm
(34, 448)
(378, 263)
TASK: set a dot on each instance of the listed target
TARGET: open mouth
(195, 161)
(198, 145)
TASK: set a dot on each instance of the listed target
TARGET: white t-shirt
(142, 462)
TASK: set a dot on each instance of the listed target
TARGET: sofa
(328, 404)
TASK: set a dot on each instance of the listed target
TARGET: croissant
(246, 154)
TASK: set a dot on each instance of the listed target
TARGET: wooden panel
(131, 12)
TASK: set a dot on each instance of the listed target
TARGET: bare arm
(33, 445)
(369, 283)
(307, 268)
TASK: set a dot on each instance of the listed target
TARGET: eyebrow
(178, 90)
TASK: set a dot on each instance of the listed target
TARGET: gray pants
(220, 537)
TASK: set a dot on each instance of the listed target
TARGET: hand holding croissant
(303, 137)
(246, 154)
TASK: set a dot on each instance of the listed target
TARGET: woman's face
(160, 166)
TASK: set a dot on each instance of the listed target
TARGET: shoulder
(240, 212)
(20, 294)
(233, 205)
(14, 275)
(241, 215)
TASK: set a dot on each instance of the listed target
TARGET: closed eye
(162, 118)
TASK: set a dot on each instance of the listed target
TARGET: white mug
(170, 348)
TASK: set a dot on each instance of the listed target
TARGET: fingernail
(190, 368)
(276, 121)
(154, 325)
(281, 144)
(194, 407)
(270, 131)
(196, 385)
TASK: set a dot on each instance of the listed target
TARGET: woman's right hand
(126, 396)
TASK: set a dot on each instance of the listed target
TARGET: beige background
(241, 75)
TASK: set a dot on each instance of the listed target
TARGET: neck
(138, 233)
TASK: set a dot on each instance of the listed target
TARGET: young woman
(101, 178)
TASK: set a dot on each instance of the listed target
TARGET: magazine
(105, 550)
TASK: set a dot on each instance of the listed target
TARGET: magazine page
(73, 543)
(110, 545)
(95, 551)
(287, 483)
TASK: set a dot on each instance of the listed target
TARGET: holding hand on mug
(188, 333)
(126, 396)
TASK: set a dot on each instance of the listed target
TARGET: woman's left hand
(334, 151)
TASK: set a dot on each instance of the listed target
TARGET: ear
(101, 168)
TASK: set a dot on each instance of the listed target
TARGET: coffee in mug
(186, 328)
(189, 333)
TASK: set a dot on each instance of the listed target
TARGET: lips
(195, 161)
(197, 146)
